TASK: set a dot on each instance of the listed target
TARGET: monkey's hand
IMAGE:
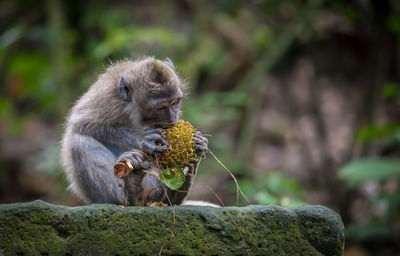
(153, 141)
(136, 158)
(189, 170)
(201, 144)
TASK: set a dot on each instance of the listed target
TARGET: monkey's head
(155, 90)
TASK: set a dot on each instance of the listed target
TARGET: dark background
(300, 99)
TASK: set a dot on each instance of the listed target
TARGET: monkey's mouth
(164, 125)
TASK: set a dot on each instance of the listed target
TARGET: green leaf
(279, 184)
(373, 131)
(173, 178)
(290, 202)
(390, 91)
(393, 24)
(263, 197)
(369, 169)
(233, 98)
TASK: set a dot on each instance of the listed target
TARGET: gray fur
(105, 127)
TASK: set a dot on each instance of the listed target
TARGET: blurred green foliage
(361, 171)
(372, 132)
(378, 170)
(274, 188)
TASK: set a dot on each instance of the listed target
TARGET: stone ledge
(39, 228)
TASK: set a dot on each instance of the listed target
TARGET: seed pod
(181, 151)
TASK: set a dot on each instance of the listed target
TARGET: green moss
(39, 228)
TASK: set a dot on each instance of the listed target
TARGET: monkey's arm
(145, 140)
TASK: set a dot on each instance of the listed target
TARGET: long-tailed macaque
(120, 118)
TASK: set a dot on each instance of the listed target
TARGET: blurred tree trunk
(58, 42)
(251, 83)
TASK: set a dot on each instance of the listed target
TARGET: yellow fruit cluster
(181, 149)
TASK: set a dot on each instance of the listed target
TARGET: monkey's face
(156, 90)
(162, 111)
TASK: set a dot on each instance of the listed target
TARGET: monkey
(120, 118)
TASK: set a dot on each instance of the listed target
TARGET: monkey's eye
(176, 102)
(162, 108)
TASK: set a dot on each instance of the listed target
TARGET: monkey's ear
(169, 63)
(123, 88)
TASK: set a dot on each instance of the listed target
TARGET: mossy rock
(39, 228)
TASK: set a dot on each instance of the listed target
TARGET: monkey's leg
(91, 172)
(137, 180)
(144, 188)
(153, 189)
(133, 186)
